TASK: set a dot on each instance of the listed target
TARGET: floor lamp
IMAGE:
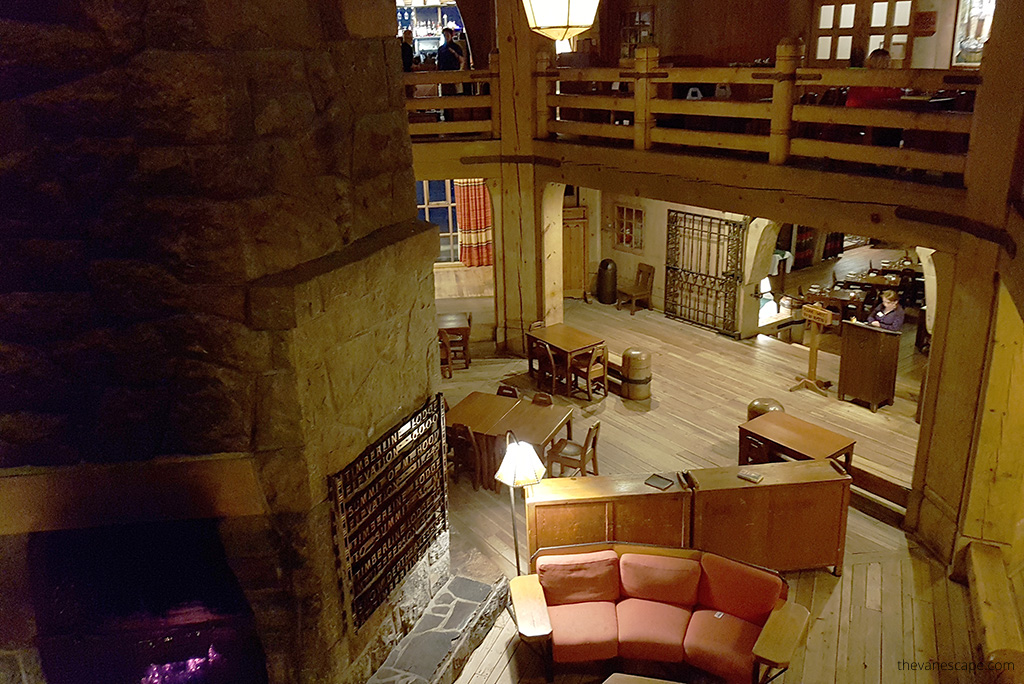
(520, 467)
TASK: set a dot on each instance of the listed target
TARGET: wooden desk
(565, 343)
(620, 508)
(794, 519)
(867, 367)
(458, 326)
(765, 437)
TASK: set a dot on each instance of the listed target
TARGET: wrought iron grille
(703, 266)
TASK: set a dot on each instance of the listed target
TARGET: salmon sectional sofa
(670, 605)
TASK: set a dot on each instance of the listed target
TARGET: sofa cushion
(579, 577)
(738, 589)
(583, 631)
(721, 644)
(659, 578)
(651, 630)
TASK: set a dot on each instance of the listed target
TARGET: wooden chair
(639, 291)
(467, 454)
(444, 339)
(575, 456)
(508, 391)
(547, 371)
(542, 399)
(460, 344)
(592, 368)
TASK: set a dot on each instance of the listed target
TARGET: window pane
(437, 191)
(824, 47)
(828, 16)
(455, 220)
(846, 14)
(899, 46)
(879, 13)
(440, 217)
(419, 193)
(843, 46)
(902, 17)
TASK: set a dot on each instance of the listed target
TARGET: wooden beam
(44, 499)
(594, 130)
(952, 122)
(885, 156)
(710, 139)
(739, 110)
(598, 102)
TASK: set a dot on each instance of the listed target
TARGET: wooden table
(839, 298)
(565, 343)
(766, 437)
(457, 325)
(490, 416)
(793, 519)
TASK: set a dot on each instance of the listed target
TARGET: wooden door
(574, 251)
(841, 27)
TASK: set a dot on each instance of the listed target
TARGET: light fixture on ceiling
(560, 19)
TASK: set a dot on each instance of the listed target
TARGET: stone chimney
(209, 252)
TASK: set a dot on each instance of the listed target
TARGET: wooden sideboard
(580, 510)
(793, 519)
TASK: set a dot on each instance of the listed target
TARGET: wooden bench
(994, 614)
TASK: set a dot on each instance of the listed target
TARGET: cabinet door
(730, 522)
(656, 520)
(570, 523)
(803, 526)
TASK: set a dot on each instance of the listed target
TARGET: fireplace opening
(142, 604)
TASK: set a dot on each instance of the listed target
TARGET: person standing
(888, 314)
(407, 51)
(450, 56)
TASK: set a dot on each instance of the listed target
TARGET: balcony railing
(919, 120)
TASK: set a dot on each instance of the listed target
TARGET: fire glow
(191, 671)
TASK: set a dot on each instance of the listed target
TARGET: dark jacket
(887, 321)
(407, 56)
(449, 57)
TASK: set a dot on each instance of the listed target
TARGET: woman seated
(887, 314)
(878, 97)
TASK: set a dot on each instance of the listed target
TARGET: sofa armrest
(530, 608)
(781, 634)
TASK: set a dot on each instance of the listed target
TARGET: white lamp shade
(560, 19)
(521, 466)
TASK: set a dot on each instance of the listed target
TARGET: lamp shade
(560, 19)
(521, 466)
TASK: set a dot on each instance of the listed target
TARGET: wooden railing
(452, 102)
(789, 114)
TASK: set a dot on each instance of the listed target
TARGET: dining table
(843, 300)
(490, 417)
(566, 343)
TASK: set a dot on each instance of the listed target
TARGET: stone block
(370, 19)
(279, 92)
(198, 241)
(33, 264)
(373, 203)
(141, 355)
(128, 424)
(187, 97)
(366, 82)
(225, 301)
(244, 25)
(381, 145)
(43, 316)
(272, 307)
(278, 412)
(248, 536)
(30, 381)
(132, 290)
(213, 171)
(284, 480)
(94, 106)
(10, 670)
(211, 409)
(216, 340)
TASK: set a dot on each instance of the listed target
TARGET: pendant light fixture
(560, 19)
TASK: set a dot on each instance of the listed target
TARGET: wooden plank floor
(892, 602)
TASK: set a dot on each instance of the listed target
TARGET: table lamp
(520, 467)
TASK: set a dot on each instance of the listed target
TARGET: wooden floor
(891, 604)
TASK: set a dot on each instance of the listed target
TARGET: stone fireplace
(214, 294)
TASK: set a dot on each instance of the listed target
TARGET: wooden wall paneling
(575, 251)
(994, 504)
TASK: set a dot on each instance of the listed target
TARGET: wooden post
(816, 316)
(647, 57)
(788, 56)
(492, 66)
(544, 87)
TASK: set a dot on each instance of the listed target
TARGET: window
(844, 33)
(973, 24)
(629, 228)
(637, 27)
(436, 202)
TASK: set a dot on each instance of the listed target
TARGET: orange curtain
(476, 233)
